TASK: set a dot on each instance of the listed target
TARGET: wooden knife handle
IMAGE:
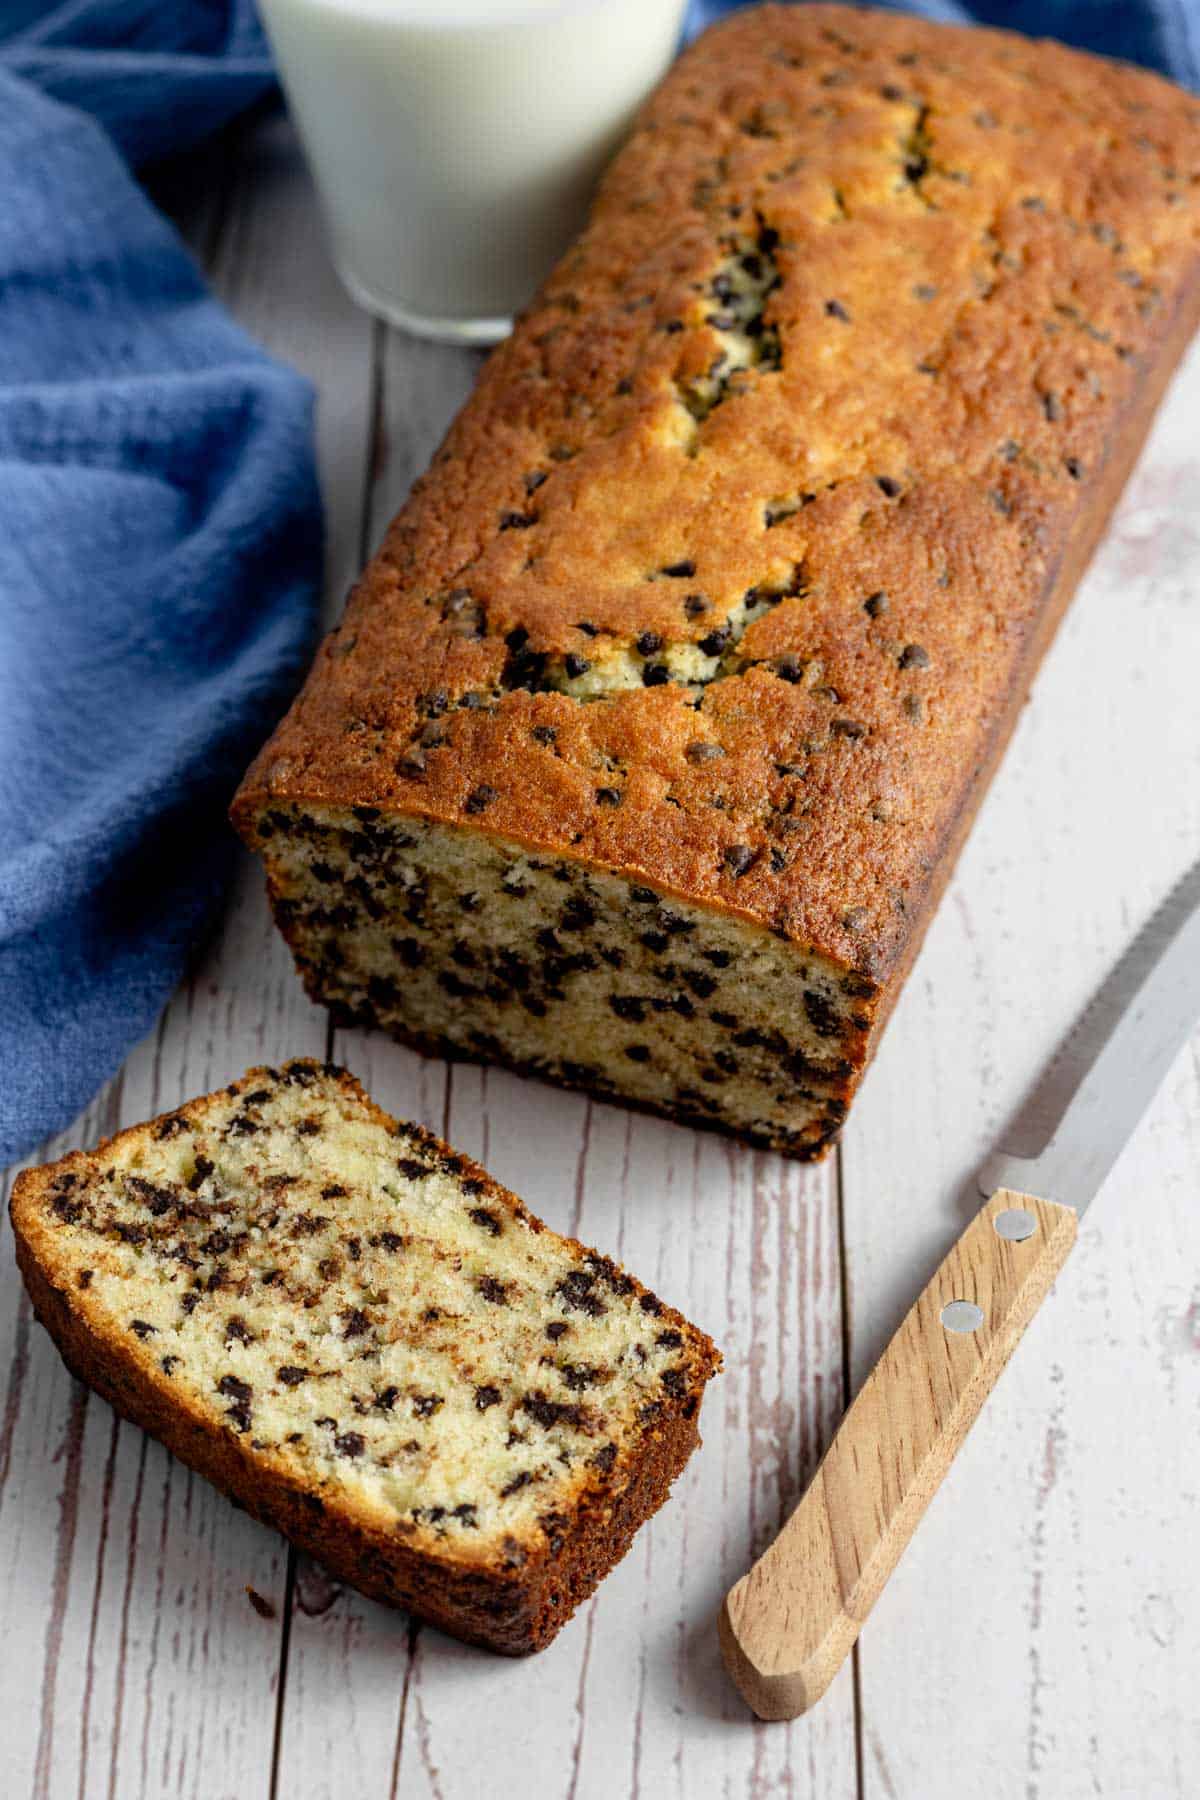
(788, 1625)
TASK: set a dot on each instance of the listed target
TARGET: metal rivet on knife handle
(962, 1315)
(1015, 1224)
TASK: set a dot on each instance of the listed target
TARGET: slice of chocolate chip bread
(370, 1344)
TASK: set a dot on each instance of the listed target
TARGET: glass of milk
(455, 142)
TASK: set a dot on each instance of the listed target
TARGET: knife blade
(1093, 1094)
(787, 1625)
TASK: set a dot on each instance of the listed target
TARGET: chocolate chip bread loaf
(650, 735)
(370, 1344)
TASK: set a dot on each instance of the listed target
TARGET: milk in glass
(455, 144)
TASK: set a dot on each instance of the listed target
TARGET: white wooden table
(1041, 1640)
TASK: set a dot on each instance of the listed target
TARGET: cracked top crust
(722, 576)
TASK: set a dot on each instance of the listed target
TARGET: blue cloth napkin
(159, 522)
(160, 541)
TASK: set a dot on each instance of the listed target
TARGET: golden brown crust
(514, 1605)
(976, 261)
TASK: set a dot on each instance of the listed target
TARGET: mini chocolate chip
(575, 1291)
(575, 665)
(549, 1413)
(354, 1322)
(1074, 467)
(487, 1221)
(291, 1374)
(876, 605)
(638, 1053)
(701, 752)
(412, 765)
(486, 1396)
(350, 1443)
(493, 1290)
(887, 486)
(738, 858)
(695, 606)
(412, 1169)
(821, 1014)
(655, 675)
(425, 1405)
(234, 1388)
(480, 798)
(836, 310)
(517, 521)
(649, 643)
(140, 1328)
(913, 656)
(679, 569)
(848, 728)
(716, 641)
(607, 796)
(159, 1200)
(855, 917)
(543, 734)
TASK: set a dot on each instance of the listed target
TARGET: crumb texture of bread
(468, 944)
(370, 1344)
(730, 577)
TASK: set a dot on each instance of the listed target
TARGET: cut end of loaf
(369, 1343)
(474, 945)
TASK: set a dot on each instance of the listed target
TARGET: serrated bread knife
(788, 1625)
